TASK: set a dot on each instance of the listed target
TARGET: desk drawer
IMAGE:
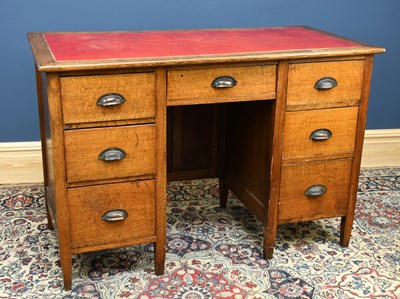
(303, 92)
(230, 84)
(107, 97)
(83, 149)
(322, 132)
(296, 179)
(88, 205)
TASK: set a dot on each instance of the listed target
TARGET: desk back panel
(192, 142)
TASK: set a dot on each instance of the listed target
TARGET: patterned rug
(212, 253)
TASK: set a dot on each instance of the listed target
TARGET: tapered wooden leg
(271, 210)
(269, 240)
(49, 220)
(159, 258)
(347, 221)
(161, 174)
(346, 226)
(66, 266)
(223, 194)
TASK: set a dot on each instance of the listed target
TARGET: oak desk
(277, 114)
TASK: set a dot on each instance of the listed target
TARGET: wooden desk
(277, 114)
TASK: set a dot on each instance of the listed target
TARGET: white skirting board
(21, 162)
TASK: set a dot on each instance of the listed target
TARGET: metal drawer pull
(224, 82)
(111, 99)
(114, 215)
(321, 134)
(112, 154)
(316, 190)
(325, 83)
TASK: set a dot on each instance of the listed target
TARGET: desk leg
(345, 230)
(161, 172)
(159, 257)
(66, 266)
(271, 209)
(223, 188)
(223, 194)
(269, 242)
(347, 221)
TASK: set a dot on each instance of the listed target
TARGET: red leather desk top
(120, 45)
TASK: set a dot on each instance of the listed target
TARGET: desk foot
(159, 258)
(223, 194)
(66, 266)
(48, 213)
(346, 226)
(268, 252)
(49, 221)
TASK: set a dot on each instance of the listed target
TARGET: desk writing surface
(94, 50)
(109, 45)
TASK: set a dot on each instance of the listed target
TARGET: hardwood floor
(21, 162)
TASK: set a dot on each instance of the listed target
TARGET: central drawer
(112, 213)
(208, 85)
(109, 153)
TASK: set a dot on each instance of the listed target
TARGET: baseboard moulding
(21, 162)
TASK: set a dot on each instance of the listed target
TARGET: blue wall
(370, 21)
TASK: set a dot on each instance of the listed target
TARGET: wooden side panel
(300, 125)
(295, 205)
(303, 76)
(193, 86)
(248, 147)
(81, 93)
(87, 206)
(83, 147)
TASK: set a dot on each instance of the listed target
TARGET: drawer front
(304, 94)
(244, 83)
(83, 148)
(316, 133)
(89, 205)
(107, 97)
(297, 179)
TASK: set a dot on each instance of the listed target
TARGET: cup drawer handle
(112, 154)
(316, 190)
(321, 134)
(325, 83)
(110, 99)
(224, 82)
(114, 215)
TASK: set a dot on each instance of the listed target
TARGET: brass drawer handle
(316, 190)
(325, 83)
(112, 154)
(224, 82)
(114, 215)
(110, 99)
(321, 134)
